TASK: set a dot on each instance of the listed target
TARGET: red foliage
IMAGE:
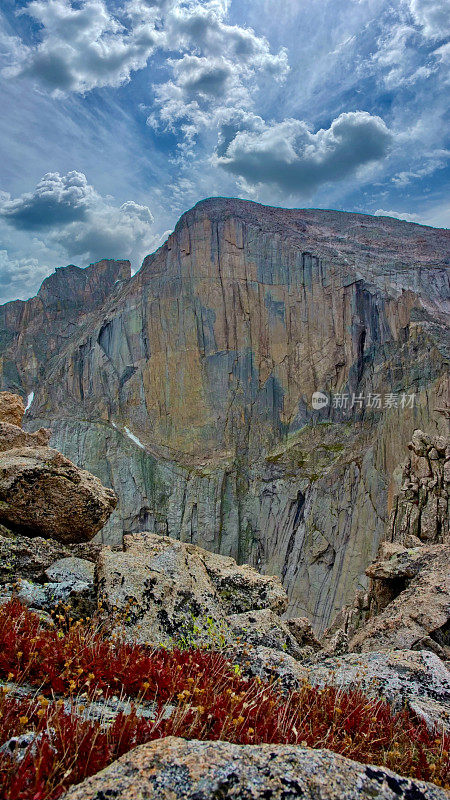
(209, 700)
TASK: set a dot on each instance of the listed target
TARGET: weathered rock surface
(191, 770)
(274, 666)
(43, 493)
(188, 387)
(420, 614)
(71, 569)
(263, 628)
(418, 678)
(407, 603)
(12, 408)
(160, 586)
(25, 557)
(11, 436)
(76, 596)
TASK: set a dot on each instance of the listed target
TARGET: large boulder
(43, 494)
(164, 588)
(191, 770)
(12, 408)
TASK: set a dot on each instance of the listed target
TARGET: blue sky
(118, 116)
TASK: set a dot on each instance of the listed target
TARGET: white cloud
(289, 156)
(428, 163)
(57, 199)
(109, 232)
(83, 46)
(438, 217)
(433, 16)
(17, 275)
(380, 212)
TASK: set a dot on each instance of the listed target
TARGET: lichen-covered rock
(273, 666)
(12, 436)
(76, 596)
(12, 408)
(263, 628)
(418, 678)
(42, 493)
(71, 569)
(191, 770)
(25, 557)
(161, 585)
(302, 631)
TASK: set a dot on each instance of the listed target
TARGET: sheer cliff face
(188, 387)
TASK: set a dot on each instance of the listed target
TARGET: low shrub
(195, 693)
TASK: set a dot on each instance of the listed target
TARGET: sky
(119, 115)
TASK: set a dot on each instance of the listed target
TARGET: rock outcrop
(49, 511)
(419, 615)
(41, 492)
(191, 770)
(423, 509)
(164, 590)
(187, 388)
(29, 558)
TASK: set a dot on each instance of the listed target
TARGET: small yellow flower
(23, 720)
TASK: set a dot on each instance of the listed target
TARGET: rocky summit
(187, 388)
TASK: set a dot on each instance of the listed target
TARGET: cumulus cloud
(219, 67)
(83, 46)
(108, 233)
(289, 156)
(79, 220)
(56, 200)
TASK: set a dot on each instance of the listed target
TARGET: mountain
(187, 388)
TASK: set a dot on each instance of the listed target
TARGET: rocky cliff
(187, 388)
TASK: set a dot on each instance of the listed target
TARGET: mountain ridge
(187, 389)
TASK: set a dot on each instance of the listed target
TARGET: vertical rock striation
(187, 388)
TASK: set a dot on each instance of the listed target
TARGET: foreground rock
(191, 770)
(42, 493)
(12, 408)
(161, 586)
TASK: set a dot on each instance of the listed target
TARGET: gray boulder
(191, 770)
